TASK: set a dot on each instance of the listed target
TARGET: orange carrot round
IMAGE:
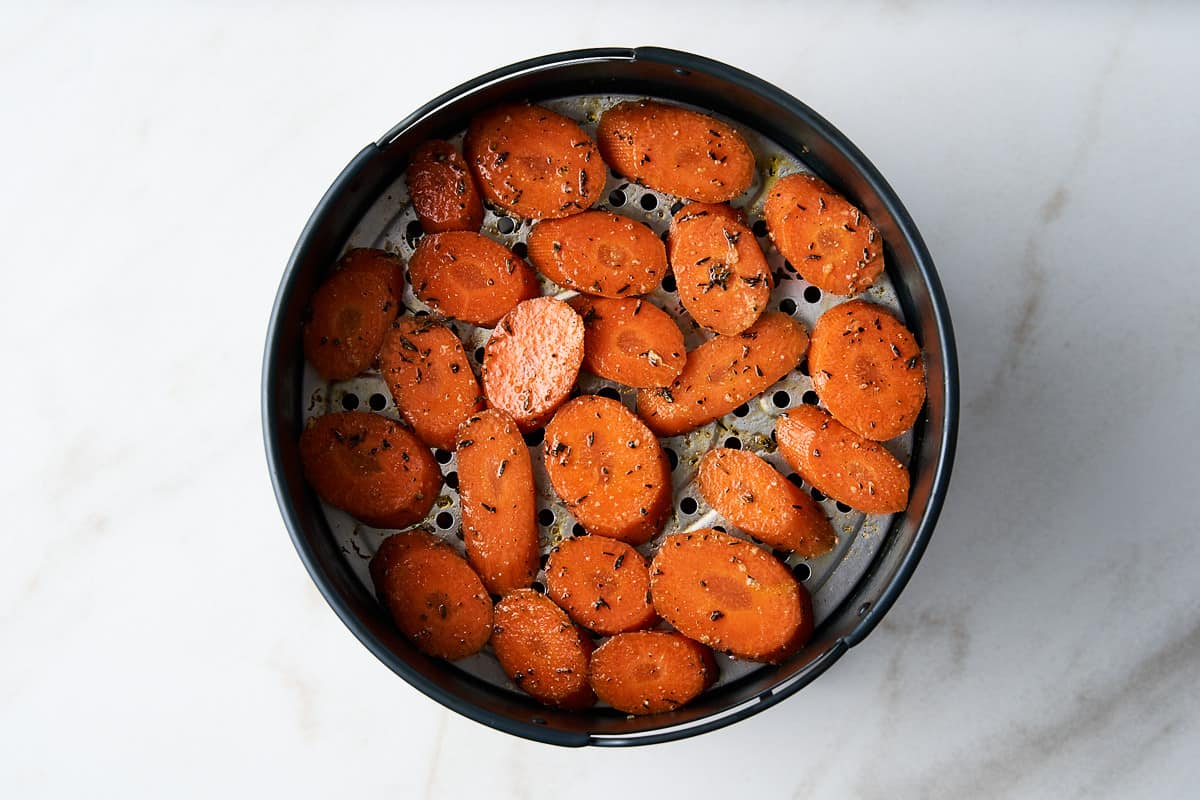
(723, 277)
(599, 253)
(351, 312)
(629, 341)
(603, 583)
(541, 651)
(468, 276)
(651, 672)
(442, 190)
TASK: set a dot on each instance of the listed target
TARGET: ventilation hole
(781, 399)
(795, 479)
(781, 554)
(649, 202)
(413, 233)
(442, 456)
(733, 443)
(802, 571)
(577, 530)
(741, 410)
(377, 402)
(616, 175)
(665, 235)
(534, 438)
(788, 266)
(668, 283)
(863, 609)
(687, 505)
(804, 366)
(817, 495)
(479, 355)
(539, 587)
(520, 249)
(812, 294)
(616, 198)
(759, 227)
(720, 528)
(676, 207)
(787, 305)
(452, 481)
(543, 560)
(756, 540)
(506, 225)
(349, 401)
(445, 520)
(842, 507)
(674, 459)
(610, 393)
(546, 517)
(810, 398)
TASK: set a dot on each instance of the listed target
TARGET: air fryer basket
(366, 206)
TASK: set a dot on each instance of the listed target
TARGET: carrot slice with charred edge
(723, 373)
(442, 190)
(541, 651)
(599, 253)
(629, 341)
(434, 597)
(351, 312)
(832, 244)
(840, 463)
(751, 494)
(676, 151)
(495, 484)
(468, 276)
(723, 278)
(608, 468)
(534, 162)
(428, 375)
(370, 467)
(867, 369)
(603, 583)
(730, 595)
(651, 672)
(532, 360)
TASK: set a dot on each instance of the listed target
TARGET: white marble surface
(158, 635)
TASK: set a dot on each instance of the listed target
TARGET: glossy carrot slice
(599, 253)
(603, 583)
(723, 278)
(651, 672)
(442, 189)
(541, 651)
(633, 342)
(350, 313)
(470, 277)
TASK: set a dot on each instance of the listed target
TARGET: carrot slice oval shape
(370, 467)
(867, 369)
(831, 243)
(351, 312)
(468, 276)
(428, 375)
(723, 277)
(751, 494)
(602, 583)
(676, 151)
(608, 468)
(532, 360)
(442, 190)
(435, 599)
(840, 463)
(495, 483)
(629, 341)
(599, 253)
(723, 373)
(533, 162)
(651, 672)
(541, 651)
(730, 595)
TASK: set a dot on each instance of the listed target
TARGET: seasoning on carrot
(599, 253)
(651, 672)
(541, 651)
(442, 189)
(603, 583)
(629, 341)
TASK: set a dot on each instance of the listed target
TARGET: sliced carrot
(430, 379)
(532, 360)
(651, 672)
(468, 276)
(351, 312)
(370, 467)
(831, 243)
(541, 651)
(495, 484)
(629, 341)
(867, 369)
(534, 162)
(723, 373)
(608, 468)
(603, 583)
(840, 463)
(599, 253)
(693, 211)
(723, 277)
(751, 494)
(676, 151)
(436, 600)
(442, 190)
(730, 595)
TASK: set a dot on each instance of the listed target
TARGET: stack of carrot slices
(703, 590)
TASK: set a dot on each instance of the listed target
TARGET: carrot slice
(470, 277)
(604, 584)
(532, 360)
(840, 463)
(608, 468)
(495, 483)
(867, 369)
(730, 595)
(830, 242)
(651, 672)
(748, 492)
(442, 190)
(370, 467)
(633, 342)
(541, 651)
(676, 151)
(533, 162)
(350, 313)
(599, 253)
(694, 211)
(723, 277)
(436, 600)
(428, 375)
(723, 373)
